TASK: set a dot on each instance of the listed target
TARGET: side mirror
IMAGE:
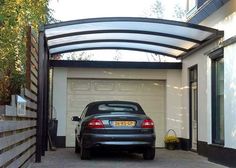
(75, 118)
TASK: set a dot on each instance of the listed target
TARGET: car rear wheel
(149, 154)
(77, 148)
(85, 154)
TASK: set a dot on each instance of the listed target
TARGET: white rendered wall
(103, 73)
(200, 60)
(59, 98)
(230, 95)
(173, 90)
(174, 101)
(225, 19)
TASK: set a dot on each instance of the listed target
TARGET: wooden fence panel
(31, 105)
(30, 114)
(34, 71)
(28, 162)
(15, 138)
(34, 62)
(12, 153)
(16, 125)
(34, 79)
(18, 162)
(33, 88)
(34, 53)
(18, 132)
(34, 41)
(30, 95)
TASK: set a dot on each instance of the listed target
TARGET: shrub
(15, 17)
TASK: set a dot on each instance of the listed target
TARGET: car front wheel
(149, 154)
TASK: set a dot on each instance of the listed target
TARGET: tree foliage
(179, 13)
(117, 55)
(15, 17)
(79, 56)
(157, 10)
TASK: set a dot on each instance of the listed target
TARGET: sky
(64, 10)
(79, 9)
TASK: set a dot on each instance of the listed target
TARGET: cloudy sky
(78, 9)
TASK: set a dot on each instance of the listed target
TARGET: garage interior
(156, 86)
(150, 94)
(74, 88)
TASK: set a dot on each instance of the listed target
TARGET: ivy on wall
(15, 17)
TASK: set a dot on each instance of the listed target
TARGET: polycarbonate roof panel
(153, 27)
(159, 36)
(119, 45)
(125, 36)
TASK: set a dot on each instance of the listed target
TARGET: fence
(17, 131)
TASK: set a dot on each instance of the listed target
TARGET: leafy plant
(171, 139)
(15, 17)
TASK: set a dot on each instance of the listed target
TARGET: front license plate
(124, 123)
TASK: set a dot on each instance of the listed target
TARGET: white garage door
(149, 94)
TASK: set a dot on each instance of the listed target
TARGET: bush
(15, 17)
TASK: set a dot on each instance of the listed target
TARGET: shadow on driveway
(66, 158)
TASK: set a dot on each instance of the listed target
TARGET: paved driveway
(66, 158)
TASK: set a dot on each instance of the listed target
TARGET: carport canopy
(164, 37)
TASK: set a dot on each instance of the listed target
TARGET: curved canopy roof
(165, 37)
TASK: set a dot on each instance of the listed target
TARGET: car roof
(111, 101)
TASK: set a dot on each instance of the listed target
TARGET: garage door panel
(104, 86)
(126, 87)
(159, 120)
(118, 93)
(150, 95)
(75, 85)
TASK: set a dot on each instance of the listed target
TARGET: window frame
(193, 77)
(189, 10)
(215, 56)
(83, 114)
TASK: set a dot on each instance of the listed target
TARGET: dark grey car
(119, 125)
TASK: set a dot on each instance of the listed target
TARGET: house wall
(59, 98)
(225, 19)
(173, 90)
(174, 101)
(204, 100)
(230, 96)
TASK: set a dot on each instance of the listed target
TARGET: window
(193, 106)
(193, 92)
(191, 4)
(218, 97)
(84, 112)
(117, 107)
(110, 107)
